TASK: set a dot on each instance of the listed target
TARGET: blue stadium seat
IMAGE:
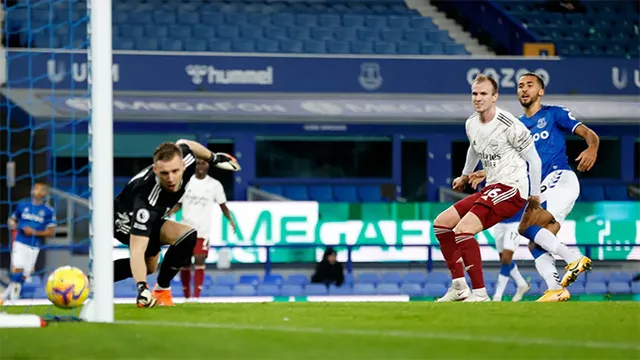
(224, 280)
(321, 193)
(267, 45)
(352, 21)
(235, 19)
(297, 279)
(275, 33)
(423, 23)
(369, 193)
(438, 278)
(258, 20)
(299, 33)
(384, 48)
(268, 290)
(171, 45)
(575, 289)
(619, 288)
(181, 31)
(292, 290)
(321, 34)
(392, 35)
(189, 18)
(597, 288)
(364, 289)
(274, 189)
(635, 287)
(122, 292)
(535, 290)
(195, 45)
(408, 48)
(391, 278)
(346, 193)
(596, 276)
(283, 19)
(243, 46)
(251, 32)
(211, 18)
(349, 279)
(296, 192)
(399, 22)
(329, 20)
(165, 18)
(412, 289)
(291, 46)
(155, 31)
(435, 290)
(306, 20)
(141, 18)
(367, 278)
(244, 290)
(316, 290)
(249, 279)
(345, 34)
(146, 44)
(41, 293)
(218, 45)
(388, 289)
(455, 49)
(415, 35)
(132, 31)
(343, 290)
(620, 276)
(368, 34)
(229, 32)
(273, 279)
(415, 278)
(217, 290)
(616, 193)
(375, 21)
(314, 47)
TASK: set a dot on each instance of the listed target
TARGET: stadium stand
(335, 27)
(366, 283)
(594, 28)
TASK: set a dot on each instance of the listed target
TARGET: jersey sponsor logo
(507, 77)
(544, 135)
(140, 226)
(26, 215)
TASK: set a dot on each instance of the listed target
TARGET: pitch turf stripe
(499, 339)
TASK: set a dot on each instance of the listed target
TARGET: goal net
(55, 50)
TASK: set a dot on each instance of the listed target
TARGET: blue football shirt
(38, 217)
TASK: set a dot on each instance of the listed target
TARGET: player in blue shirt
(560, 190)
(33, 221)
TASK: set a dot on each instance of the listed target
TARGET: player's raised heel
(555, 296)
(163, 297)
(574, 269)
(520, 292)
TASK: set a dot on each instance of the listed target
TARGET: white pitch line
(400, 334)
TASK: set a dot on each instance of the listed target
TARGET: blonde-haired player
(202, 193)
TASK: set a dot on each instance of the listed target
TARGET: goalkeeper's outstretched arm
(203, 153)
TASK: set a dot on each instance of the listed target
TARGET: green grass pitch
(420, 330)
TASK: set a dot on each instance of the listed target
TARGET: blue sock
(537, 251)
(531, 232)
(17, 277)
(505, 269)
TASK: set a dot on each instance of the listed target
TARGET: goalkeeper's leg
(182, 239)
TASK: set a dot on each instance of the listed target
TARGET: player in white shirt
(202, 194)
(505, 147)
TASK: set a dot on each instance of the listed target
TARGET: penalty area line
(399, 334)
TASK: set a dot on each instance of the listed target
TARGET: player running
(560, 189)
(505, 146)
(139, 219)
(201, 194)
(33, 221)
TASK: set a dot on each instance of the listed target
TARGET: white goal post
(100, 308)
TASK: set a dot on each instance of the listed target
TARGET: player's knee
(199, 260)
(184, 247)
(448, 218)
(553, 226)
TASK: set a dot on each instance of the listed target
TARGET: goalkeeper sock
(177, 257)
(121, 269)
(185, 276)
(198, 280)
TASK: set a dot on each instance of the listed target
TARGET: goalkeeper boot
(574, 269)
(163, 296)
(555, 296)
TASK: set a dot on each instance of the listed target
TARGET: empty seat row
(327, 193)
(604, 192)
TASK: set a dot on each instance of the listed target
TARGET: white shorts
(507, 236)
(24, 257)
(560, 190)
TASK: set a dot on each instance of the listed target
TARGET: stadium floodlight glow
(100, 308)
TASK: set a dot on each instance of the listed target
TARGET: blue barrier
(348, 264)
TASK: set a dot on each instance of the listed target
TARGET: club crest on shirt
(493, 145)
(542, 123)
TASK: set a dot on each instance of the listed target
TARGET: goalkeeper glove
(217, 158)
(144, 298)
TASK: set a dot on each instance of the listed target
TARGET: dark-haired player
(505, 147)
(560, 189)
(32, 222)
(139, 219)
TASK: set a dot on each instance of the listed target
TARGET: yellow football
(67, 287)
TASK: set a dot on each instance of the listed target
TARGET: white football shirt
(498, 144)
(200, 196)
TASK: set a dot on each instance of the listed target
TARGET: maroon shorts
(492, 205)
(202, 247)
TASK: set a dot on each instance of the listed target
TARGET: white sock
(546, 266)
(550, 242)
(158, 287)
(7, 291)
(14, 291)
(459, 283)
(500, 286)
(517, 277)
(482, 292)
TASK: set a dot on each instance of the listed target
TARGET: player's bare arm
(203, 153)
(13, 224)
(227, 213)
(470, 164)
(138, 245)
(588, 157)
(49, 232)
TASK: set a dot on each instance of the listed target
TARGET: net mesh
(46, 60)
